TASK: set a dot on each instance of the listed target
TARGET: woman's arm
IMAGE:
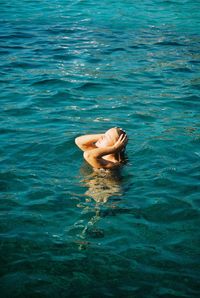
(94, 157)
(86, 142)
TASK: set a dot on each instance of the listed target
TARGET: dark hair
(120, 131)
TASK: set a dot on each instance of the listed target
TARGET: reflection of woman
(103, 150)
(102, 185)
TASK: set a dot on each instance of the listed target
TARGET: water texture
(76, 67)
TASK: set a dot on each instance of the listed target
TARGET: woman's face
(108, 139)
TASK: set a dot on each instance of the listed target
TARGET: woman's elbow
(87, 155)
(77, 141)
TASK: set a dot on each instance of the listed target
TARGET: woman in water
(104, 150)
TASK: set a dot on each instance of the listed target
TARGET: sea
(75, 67)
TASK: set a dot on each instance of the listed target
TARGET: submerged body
(103, 150)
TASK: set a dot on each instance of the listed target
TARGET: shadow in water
(103, 193)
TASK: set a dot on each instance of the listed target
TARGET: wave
(50, 82)
(91, 85)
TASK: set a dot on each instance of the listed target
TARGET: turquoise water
(76, 67)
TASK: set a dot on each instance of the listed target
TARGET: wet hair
(120, 131)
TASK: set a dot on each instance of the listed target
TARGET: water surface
(76, 67)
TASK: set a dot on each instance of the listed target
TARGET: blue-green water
(76, 67)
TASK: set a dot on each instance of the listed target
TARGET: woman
(103, 150)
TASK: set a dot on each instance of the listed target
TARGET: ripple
(53, 82)
(23, 65)
(90, 85)
(168, 214)
(11, 181)
(182, 69)
(145, 150)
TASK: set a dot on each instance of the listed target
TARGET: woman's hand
(121, 143)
